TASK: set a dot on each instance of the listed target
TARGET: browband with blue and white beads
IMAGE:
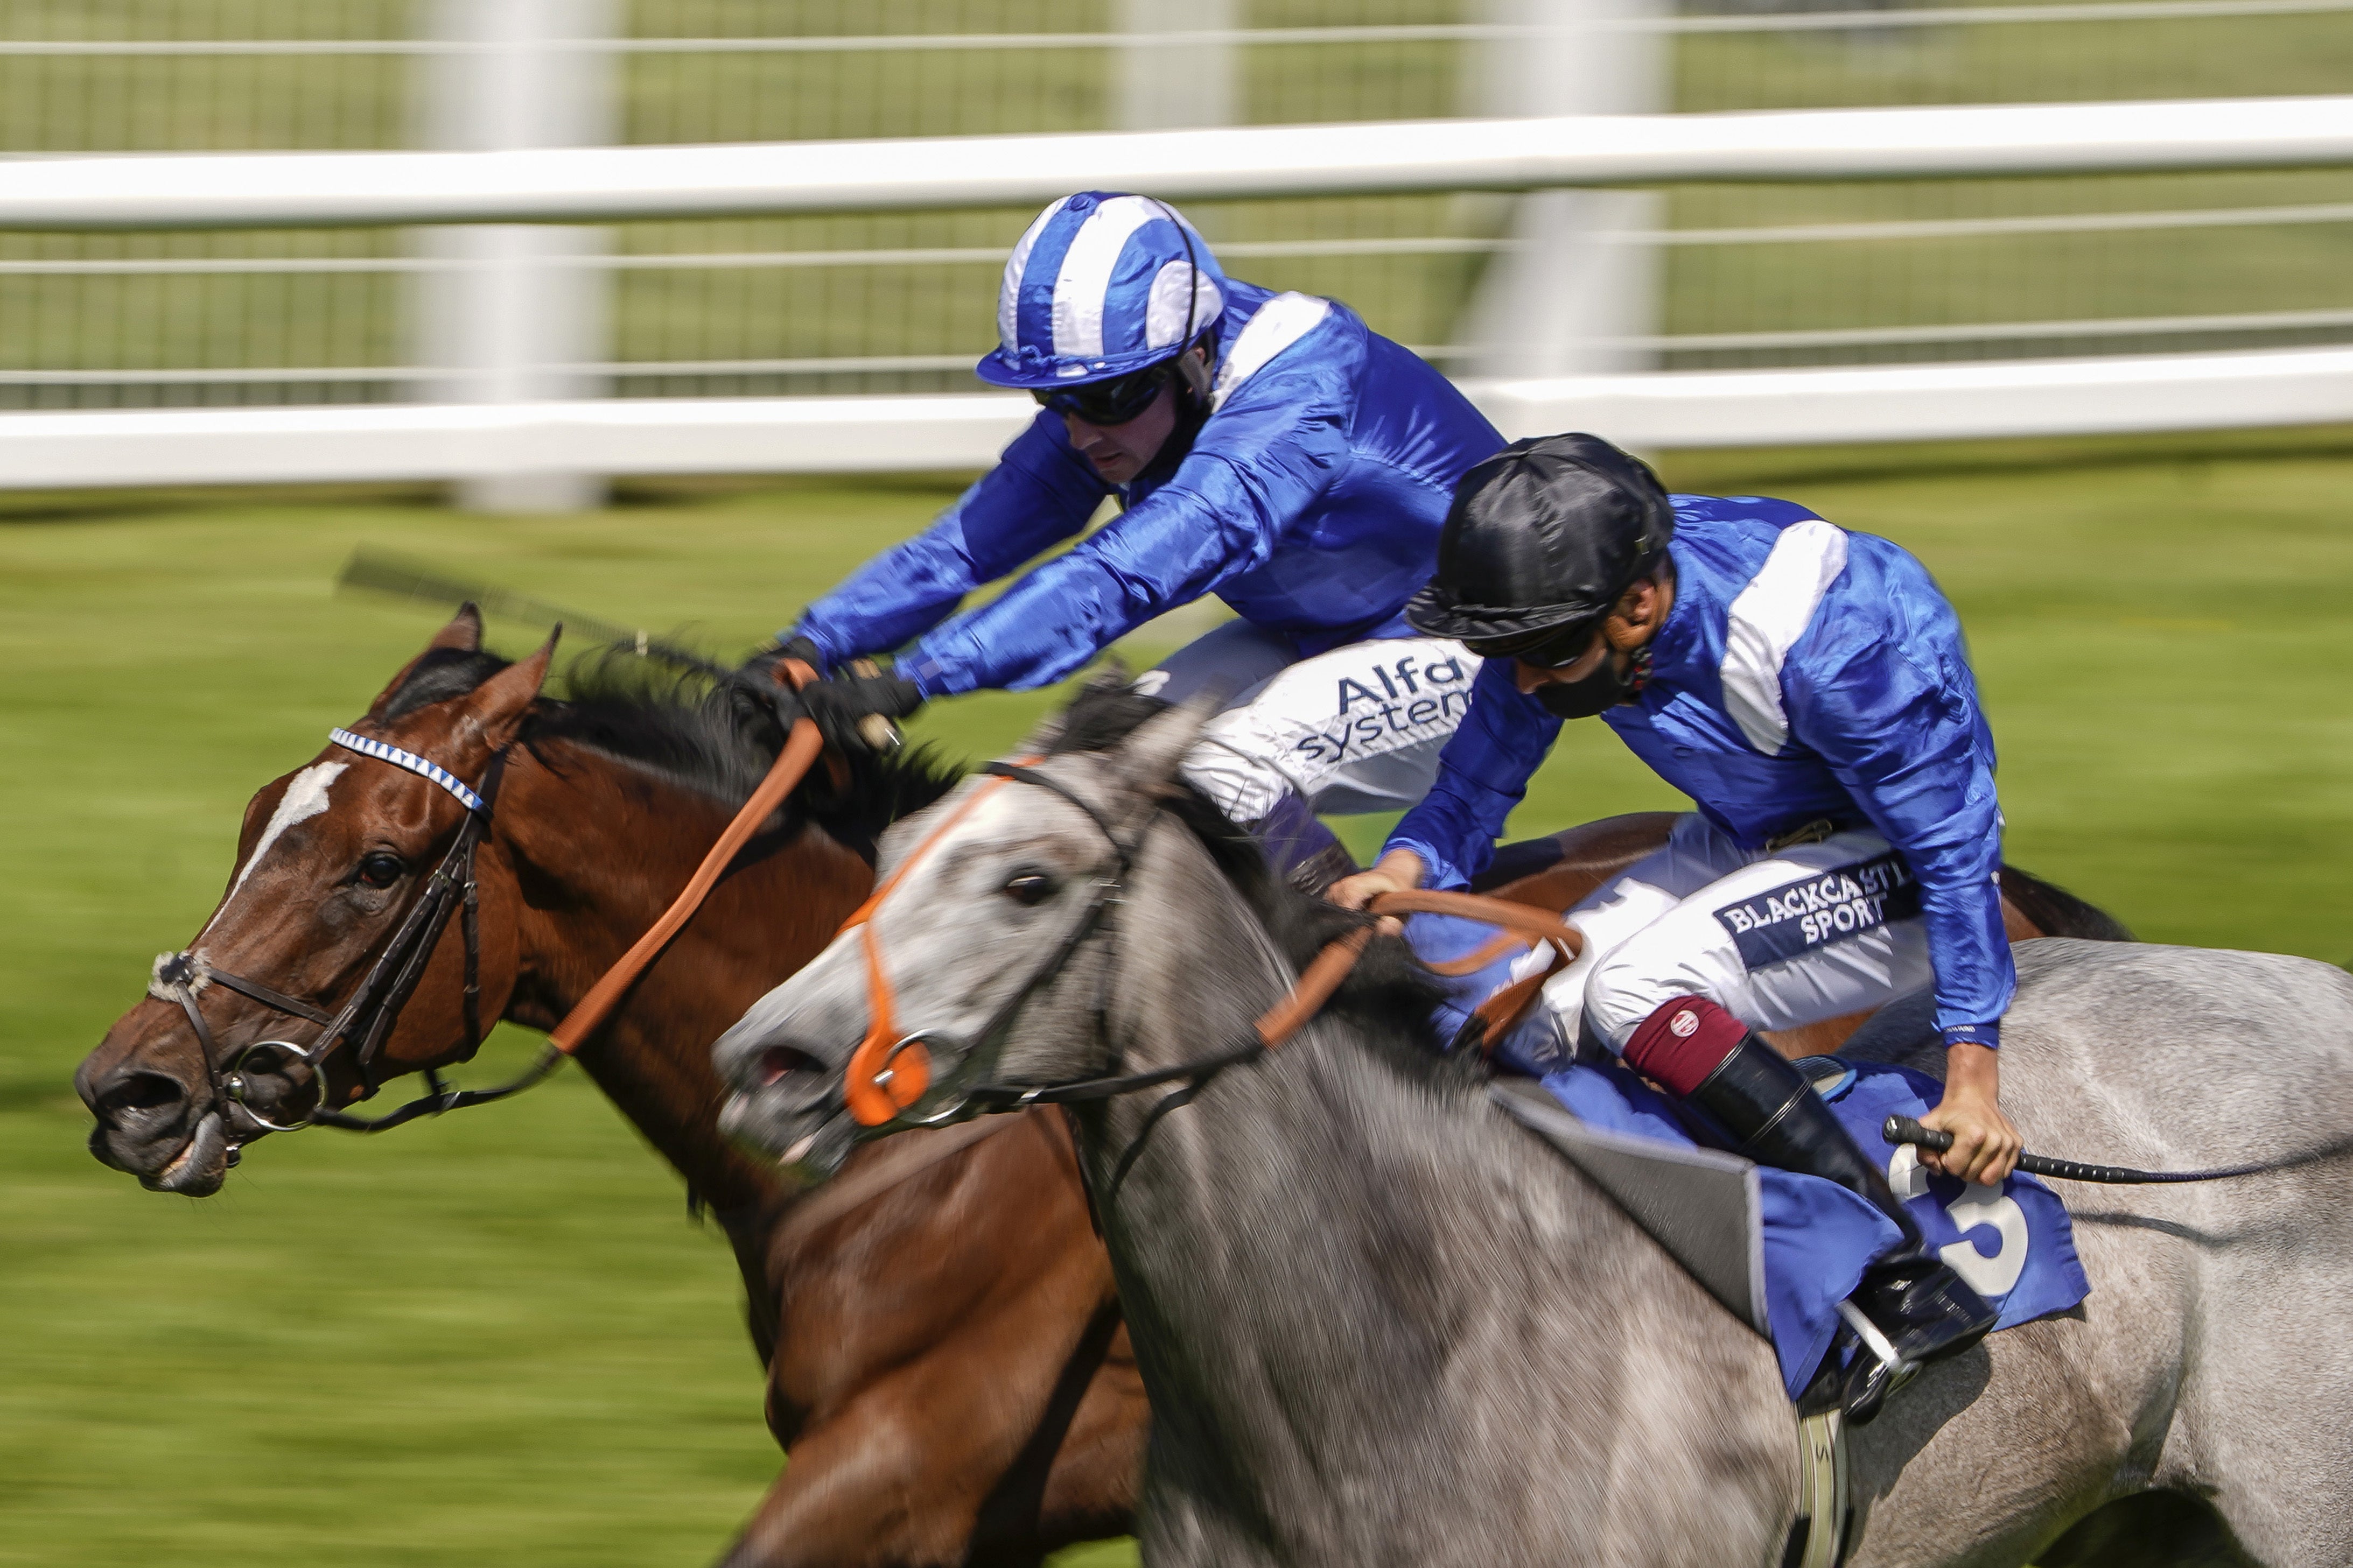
(422, 767)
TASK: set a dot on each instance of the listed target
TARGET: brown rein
(801, 748)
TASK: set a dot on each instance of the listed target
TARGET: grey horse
(1381, 1323)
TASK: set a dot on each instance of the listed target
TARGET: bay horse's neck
(599, 849)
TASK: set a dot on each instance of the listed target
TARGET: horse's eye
(381, 869)
(1030, 886)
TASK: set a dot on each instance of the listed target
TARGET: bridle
(889, 1073)
(372, 1010)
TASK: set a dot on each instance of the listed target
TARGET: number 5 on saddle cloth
(1780, 1251)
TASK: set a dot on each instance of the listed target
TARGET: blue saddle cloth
(2014, 1245)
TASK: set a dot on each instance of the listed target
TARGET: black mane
(691, 730)
(2055, 912)
(1389, 996)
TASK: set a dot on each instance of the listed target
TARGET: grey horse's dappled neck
(1380, 1324)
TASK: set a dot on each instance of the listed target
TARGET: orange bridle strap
(792, 764)
(881, 1079)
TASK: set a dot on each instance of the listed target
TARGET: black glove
(760, 669)
(759, 699)
(855, 707)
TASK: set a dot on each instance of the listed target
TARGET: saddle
(1782, 1252)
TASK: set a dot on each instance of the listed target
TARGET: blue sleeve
(1039, 493)
(1483, 773)
(1893, 708)
(1258, 465)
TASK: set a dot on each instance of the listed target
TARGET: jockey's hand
(1985, 1145)
(1397, 871)
(760, 669)
(855, 706)
(756, 687)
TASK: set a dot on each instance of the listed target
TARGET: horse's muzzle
(786, 1106)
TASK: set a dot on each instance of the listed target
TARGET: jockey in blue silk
(1808, 689)
(1269, 448)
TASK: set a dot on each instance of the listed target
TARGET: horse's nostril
(780, 1062)
(138, 1093)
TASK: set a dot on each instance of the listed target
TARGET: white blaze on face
(305, 797)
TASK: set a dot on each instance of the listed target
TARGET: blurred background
(499, 1334)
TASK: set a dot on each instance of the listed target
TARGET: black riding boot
(1925, 1310)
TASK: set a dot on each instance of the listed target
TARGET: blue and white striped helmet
(1102, 284)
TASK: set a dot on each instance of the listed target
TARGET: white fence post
(1578, 282)
(1175, 86)
(514, 309)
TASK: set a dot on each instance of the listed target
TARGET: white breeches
(1779, 938)
(1355, 730)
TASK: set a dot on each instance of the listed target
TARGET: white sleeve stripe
(1085, 278)
(1279, 322)
(1766, 620)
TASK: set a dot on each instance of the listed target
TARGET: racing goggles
(1550, 649)
(1107, 403)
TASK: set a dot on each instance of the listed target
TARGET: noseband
(368, 1017)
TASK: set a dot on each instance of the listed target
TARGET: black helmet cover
(1541, 540)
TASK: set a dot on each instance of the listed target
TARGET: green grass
(497, 1338)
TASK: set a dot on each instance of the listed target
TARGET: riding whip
(389, 574)
(401, 579)
(1905, 1129)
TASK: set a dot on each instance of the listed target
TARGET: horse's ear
(1041, 741)
(1152, 753)
(464, 630)
(495, 710)
(463, 633)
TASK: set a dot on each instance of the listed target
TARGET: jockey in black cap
(1807, 688)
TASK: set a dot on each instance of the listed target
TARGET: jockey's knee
(1633, 981)
(1243, 787)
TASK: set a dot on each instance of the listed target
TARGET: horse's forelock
(438, 675)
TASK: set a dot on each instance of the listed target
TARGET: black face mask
(1602, 690)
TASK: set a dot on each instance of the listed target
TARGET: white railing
(528, 437)
(610, 185)
(404, 331)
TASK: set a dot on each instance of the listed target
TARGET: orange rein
(1498, 1013)
(888, 1073)
(801, 748)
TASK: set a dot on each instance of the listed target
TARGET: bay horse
(950, 1380)
(1381, 1323)
(991, 1412)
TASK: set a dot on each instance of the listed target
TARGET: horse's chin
(816, 1157)
(200, 1167)
(811, 1147)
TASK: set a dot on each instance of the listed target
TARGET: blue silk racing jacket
(1803, 673)
(1310, 502)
